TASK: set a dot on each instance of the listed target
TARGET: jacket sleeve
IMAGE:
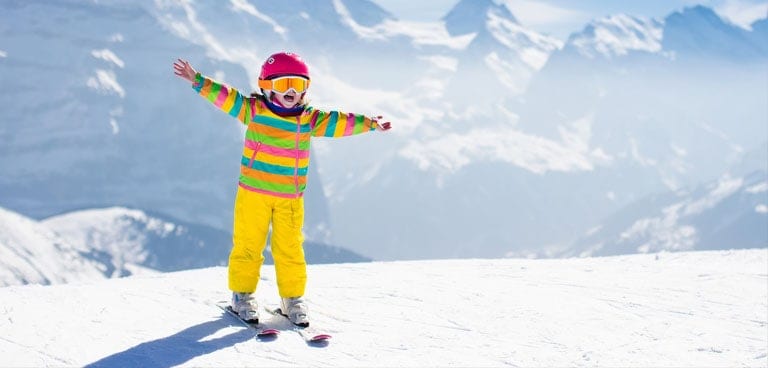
(226, 98)
(337, 124)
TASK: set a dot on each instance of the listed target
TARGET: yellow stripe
(282, 161)
(229, 101)
(341, 125)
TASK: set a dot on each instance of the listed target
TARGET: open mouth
(289, 98)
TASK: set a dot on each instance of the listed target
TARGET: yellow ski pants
(253, 214)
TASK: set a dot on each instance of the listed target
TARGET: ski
(263, 332)
(310, 334)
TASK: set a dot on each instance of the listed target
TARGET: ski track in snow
(672, 309)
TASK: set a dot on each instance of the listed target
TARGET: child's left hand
(382, 127)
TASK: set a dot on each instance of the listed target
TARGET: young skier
(273, 175)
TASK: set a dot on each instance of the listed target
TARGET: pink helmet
(283, 63)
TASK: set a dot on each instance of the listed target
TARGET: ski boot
(296, 311)
(244, 304)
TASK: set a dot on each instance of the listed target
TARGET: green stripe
(274, 187)
(198, 85)
(359, 120)
(214, 92)
(277, 142)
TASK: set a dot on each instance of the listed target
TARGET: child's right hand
(183, 69)
(382, 127)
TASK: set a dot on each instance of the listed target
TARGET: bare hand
(382, 127)
(183, 69)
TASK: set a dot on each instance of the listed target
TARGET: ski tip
(268, 332)
(321, 337)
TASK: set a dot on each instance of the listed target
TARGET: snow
(113, 230)
(32, 253)
(724, 188)
(743, 13)
(533, 48)
(618, 35)
(681, 309)
(669, 230)
(450, 152)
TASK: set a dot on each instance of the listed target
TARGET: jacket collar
(283, 111)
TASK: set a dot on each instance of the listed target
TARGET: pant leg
(287, 247)
(253, 213)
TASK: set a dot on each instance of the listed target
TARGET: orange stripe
(272, 178)
(206, 87)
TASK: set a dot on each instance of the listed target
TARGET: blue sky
(562, 17)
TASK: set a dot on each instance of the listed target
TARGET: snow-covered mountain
(133, 237)
(494, 123)
(664, 111)
(700, 219)
(31, 253)
(699, 33)
(117, 242)
(502, 56)
(618, 35)
(702, 309)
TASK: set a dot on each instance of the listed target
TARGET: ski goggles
(285, 84)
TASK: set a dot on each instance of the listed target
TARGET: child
(273, 175)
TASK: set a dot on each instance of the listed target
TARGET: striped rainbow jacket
(275, 158)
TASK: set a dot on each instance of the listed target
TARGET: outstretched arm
(226, 98)
(338, 124)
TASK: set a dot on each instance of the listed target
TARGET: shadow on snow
(178, 348)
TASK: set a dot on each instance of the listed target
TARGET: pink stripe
(222, 96)
(274, 194)
(276, 151)
(313, 122)
(350, 128)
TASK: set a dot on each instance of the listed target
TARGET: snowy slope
(682, 309)
(31, 253)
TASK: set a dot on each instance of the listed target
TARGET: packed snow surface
(668, 309)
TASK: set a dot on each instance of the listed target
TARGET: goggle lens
(284, 84)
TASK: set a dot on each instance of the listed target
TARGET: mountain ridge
(490, 121)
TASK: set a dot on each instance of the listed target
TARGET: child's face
(289, 99)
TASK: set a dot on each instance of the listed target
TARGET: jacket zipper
(253, 156)
(296, 167)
